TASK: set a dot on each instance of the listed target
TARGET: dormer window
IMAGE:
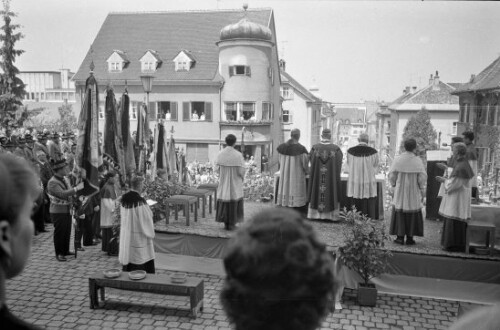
(117, 61)
(150, 61)
(184, 61)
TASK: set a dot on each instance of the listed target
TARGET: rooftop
(488, 79)
(166, 33)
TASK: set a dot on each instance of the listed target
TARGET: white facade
(48, 86)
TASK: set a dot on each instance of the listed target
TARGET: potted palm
(363, 252)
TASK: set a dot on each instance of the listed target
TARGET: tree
(11, 87)
(68, 119)
(420, 128)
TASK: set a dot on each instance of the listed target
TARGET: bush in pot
(363, 251)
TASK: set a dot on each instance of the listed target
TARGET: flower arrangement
(258, 186)
(160, 189)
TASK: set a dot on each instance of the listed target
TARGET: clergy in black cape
(324, 189)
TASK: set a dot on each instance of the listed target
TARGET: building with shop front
(437, 99)
(215, 73)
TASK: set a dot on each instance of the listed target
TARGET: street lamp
(147, 84)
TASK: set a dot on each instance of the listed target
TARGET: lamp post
(147, 84)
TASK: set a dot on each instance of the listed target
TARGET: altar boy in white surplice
(136, 231)
(362, 163)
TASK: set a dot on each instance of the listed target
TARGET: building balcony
(246, 123)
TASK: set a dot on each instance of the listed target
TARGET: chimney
(431, 80)
(435, 85)
(414, 89)
(282, 65)
(472, 77)
(406, 90)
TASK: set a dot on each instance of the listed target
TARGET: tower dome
(245, 29)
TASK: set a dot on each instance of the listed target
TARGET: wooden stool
(201, 194)
(184, 200)
(212, 187)
(485, 227)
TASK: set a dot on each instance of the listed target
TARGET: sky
(351, 50)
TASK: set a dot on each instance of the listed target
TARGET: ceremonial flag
(160, 152)
(140, 141)
(88, 154)
(172, 157)
(128, 144)
(112, 146)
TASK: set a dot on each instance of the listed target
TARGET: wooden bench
(161, 284)
(183, 200)
(201, 194)
(485, 227)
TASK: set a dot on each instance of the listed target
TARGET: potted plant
(363, 252)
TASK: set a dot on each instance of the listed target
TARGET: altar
(344, 200)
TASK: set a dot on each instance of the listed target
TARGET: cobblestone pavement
(54, 295)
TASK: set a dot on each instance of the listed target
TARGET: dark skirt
(107, 235)
(229, 212)
(453, 234)
(367, 206)
(407, 223)
(149, 267)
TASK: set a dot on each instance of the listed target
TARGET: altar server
(108, 197)
(231, 167)
(408, 179)
(362, 164)
(137, 230)
(455, 207)
(294, 167)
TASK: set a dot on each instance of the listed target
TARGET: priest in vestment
(408, 179)
(471, 157)
(231, 167)
(455, 207)
(324, 188)
(294, 167)
(362, 164)
(136, 231)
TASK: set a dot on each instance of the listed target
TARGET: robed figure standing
(408, 179)
(362, 163)
(136, 231)
(455, 208)
(294, 167)
(231, 167)
(471, 156)
(324, 188)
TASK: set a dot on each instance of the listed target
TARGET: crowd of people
(310, 182)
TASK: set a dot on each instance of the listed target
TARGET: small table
(484, 228)
(212, 187)
(201, 194)
(161, 284)
(184, 200)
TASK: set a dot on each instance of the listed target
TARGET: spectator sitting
(279, 275)
(194, 116)
(18, 192)
(202, 117)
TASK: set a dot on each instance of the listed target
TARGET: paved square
(54, 295)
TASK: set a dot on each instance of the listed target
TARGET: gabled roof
(120, 53)
(154, 53)
(488, 79)
(430, 97)
(288, 79)
(187, 53)
(167, 33)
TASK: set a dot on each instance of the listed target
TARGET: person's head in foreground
(137, 183)
(278, 274)
(410, 145)
(230, 140)
(18, 192)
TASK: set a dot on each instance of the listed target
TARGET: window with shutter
(208, 111)
(173, 111)
(248, 71)
(186, 113)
